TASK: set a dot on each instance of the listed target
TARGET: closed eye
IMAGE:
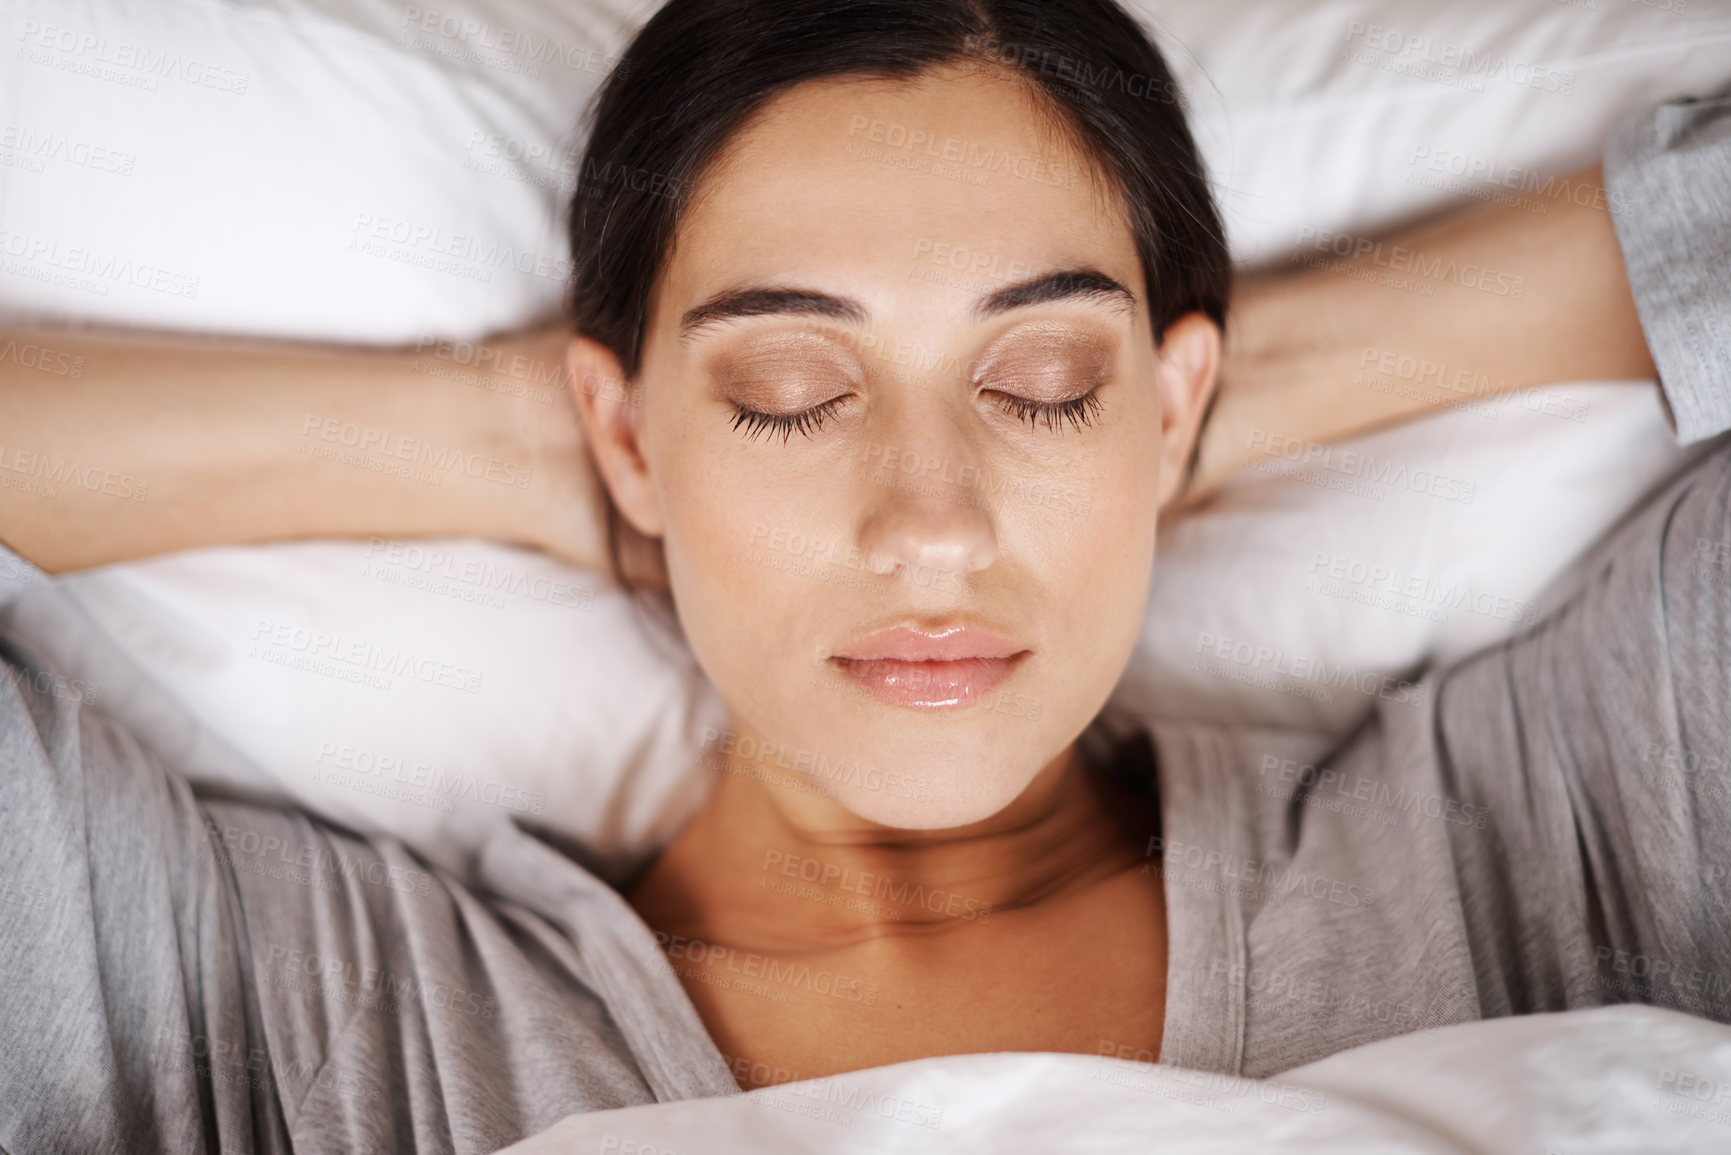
(805, 422)
(1078, 411)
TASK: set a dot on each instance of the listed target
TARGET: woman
(757, 330)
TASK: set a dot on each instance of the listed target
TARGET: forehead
(948, 185)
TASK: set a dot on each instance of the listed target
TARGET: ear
(1189, 373)
(612, 411)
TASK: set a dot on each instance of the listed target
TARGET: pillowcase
(395, 173)
(426, 689)
(349, 170)
(1358, 116)
(1315, 586)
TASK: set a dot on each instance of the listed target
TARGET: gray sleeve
(1668, 182)
(1599, 742)
(16, 576)
(179, 973)
(116, 950)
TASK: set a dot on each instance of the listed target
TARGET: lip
(905, 643)
(929, 669)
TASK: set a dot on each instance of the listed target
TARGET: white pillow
(1317, 583)
(1358, 115)
(425, 688)
(353, 170)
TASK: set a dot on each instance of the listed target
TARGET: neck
(735, 875)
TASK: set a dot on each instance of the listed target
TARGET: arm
(1488, 300)
(1596, 741)
(118, 446)
(180, 970)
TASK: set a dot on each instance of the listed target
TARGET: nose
(932, 518)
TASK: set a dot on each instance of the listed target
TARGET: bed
(400, 171)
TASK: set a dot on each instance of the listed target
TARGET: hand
(183, 442)
(566, 503)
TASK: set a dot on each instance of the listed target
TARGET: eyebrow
(736, 303)
(1064, 285)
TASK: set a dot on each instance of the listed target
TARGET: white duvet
(1618, 1079)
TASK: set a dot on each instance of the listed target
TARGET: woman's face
(904, 431)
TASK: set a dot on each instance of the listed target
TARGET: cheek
(1095, 526)
(1098, 554)
(740, 550)
(715, 531)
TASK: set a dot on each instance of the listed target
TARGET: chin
(939, 795)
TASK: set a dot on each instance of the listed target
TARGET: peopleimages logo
(274, 641)
(828, 773)
(965, 155)
(465, 254)
(394, 447)
(1258, 880)
(1294, 457)
(39, 147)
(768, 969)
(1400, 259)
(90, 270)
(1301, 668)
(52, 471)
(880, 887)
(1426, 57)
(309, 864)
(42, 358)
(138, 65)
(470, 39)
(1316, 780)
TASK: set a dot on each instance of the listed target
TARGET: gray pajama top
(1544, 825)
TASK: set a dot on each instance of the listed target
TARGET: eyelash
(755, 422)
(1078, 411)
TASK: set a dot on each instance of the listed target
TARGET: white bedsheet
(1617, 1079)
